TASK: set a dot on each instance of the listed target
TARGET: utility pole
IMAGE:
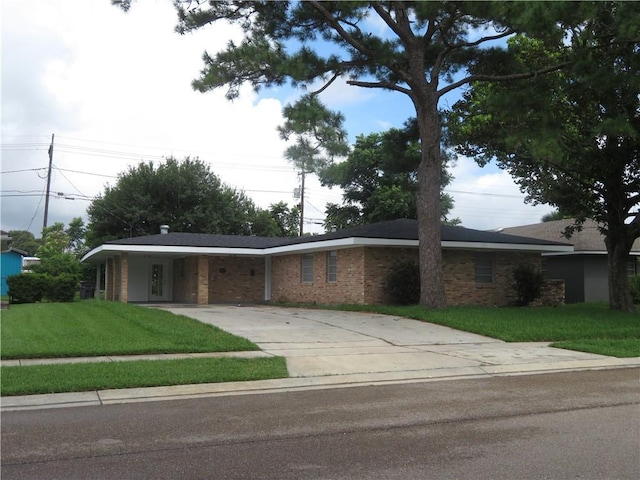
(46, 199)
(302, 174)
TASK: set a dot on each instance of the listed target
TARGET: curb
(183, 392)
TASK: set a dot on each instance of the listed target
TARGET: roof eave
(100, 253)
(522, 247)
(103, 251)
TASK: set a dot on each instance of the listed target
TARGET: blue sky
(115, 90)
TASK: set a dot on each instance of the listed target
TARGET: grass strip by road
(584, 327)
(625, 348)
(79, 377)
(94, 328)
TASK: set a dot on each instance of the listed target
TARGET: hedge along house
(347, 266)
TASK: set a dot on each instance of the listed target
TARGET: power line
(23, 170)
(70, 183)
(484, 194)
(86, 173)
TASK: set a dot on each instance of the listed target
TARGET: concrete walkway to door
(372, 347)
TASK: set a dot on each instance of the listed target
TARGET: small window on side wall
(332, 266)
(306, 268)
(483, 266)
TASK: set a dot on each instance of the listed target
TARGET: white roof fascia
(340, 243)
(91, 253)
(349, 242)
(172, 249)
(590, 252)
(576, 252)
(508, 246)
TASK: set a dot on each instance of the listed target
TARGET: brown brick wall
(349, 287)
(379, 263)
(203, 296)
(116, 278)
(185, 280)
(553, 293)
(236, 279)
(459, 276)
(124, 277)
(363, 271)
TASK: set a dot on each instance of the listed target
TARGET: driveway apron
(326, 342)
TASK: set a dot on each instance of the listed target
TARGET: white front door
(159, 281)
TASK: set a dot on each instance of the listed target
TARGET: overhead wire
(88, 150)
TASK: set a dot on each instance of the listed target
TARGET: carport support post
(109, 281)
(96, 293)
(267, 278)
(124, 277)
(202, 298)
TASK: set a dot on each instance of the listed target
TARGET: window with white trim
(306, 268)
(483, 267)
(332, 266)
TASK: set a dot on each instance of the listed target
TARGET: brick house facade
(344, 267)
(361, 275)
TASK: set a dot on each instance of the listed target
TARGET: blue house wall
(11, 265)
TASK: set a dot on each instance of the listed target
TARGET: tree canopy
(419, 49)
(318, 134)
(185, 195)
(25, 241)
(319, 137)
(279, 220)
(572, 139)
(379, 179)
(60, 249)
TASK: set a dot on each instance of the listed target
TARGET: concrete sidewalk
(329, 349)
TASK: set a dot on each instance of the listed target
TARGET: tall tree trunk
(618, 257)
(429, 209)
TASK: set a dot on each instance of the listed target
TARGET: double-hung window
(483, 267)
(332, 266)
(306, 268)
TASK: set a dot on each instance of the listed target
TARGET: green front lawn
(79, 377)
(584, 327)
(93, 328)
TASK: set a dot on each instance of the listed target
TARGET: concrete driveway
(330, 349)
(380, 347)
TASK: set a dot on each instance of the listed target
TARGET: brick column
(202, 288)
(116, 278)
(124, 277)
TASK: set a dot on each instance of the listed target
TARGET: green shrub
(61, 288)
(528, 284)
(33, 287)
(403, 284)
(27, 287)
(59, 264)
(634, 286)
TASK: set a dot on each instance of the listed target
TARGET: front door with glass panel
(158, 282)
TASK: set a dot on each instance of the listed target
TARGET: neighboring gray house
(585, 270)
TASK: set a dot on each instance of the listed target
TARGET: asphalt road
(582, 425)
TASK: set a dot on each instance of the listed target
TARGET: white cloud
(104, 81)
(487, 198)
(115, 89)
